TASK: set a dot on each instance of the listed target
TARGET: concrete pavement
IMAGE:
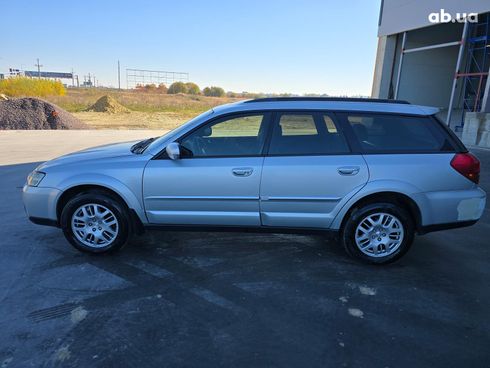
(230, 299)
(23, 146)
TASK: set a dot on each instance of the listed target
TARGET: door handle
(348, 170)
(242, 171)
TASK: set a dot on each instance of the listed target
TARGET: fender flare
(108, 182)
(383, 186)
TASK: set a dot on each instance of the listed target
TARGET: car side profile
(375, 171)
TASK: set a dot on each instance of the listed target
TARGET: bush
(192, 88)
(214, 91)
(24, 86)
(177, 87)
(162, 88)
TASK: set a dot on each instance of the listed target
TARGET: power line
(38, 68)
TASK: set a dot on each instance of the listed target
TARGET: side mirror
(207, 131)
(173, 151)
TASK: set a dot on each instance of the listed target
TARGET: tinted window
(306, 134)
(297, 125)
(390, 133)
(234, 136)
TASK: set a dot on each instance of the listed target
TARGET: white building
(427, 55)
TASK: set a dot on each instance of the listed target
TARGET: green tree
(177, 87)
(192, 88)
(214, 91)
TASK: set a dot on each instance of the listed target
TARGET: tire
(364, 238)
(109, 220)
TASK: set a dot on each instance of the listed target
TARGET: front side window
(242, 135)
(391, 133)
(306, 134)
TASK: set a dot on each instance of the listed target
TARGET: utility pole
(119, 74)
(72, 78)
(38, 68)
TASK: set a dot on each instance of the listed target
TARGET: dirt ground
(132, 120)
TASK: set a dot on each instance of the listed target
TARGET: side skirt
(242, 229)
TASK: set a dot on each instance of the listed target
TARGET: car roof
(332, 104)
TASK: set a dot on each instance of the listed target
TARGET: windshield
(176, 130)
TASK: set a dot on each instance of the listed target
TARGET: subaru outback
(377, 172)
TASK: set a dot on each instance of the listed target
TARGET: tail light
(467, 165)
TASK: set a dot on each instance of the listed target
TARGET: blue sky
(257, 46)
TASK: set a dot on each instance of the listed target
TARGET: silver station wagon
(375, 171)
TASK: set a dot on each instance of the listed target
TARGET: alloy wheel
(379, 234)
(94, 225)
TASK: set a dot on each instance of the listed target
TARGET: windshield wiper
(141, 146)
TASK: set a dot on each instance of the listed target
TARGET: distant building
(428, 55)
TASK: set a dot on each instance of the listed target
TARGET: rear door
(308, 170)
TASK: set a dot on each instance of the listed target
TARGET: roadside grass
(133, 120)
(77, 100)
(149, 110)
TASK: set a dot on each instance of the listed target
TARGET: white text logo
(443, 17)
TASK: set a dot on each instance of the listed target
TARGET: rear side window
(294, 125)
(306, 134)
(392, 133)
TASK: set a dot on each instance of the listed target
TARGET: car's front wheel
(95, 222)
(378, 233)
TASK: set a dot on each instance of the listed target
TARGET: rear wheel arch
(395, 198)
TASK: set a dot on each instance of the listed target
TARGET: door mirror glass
(173, 151)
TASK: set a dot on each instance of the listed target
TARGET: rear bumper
(450, 208)
(40, 204)
(451, 225)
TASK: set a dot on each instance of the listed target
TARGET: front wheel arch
(81, 189)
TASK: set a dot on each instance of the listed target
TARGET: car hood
(94, 153)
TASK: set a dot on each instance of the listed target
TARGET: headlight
(35, 178)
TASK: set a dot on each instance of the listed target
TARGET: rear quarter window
(394, 133)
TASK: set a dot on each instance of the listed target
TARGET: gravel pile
(108, 104)
(33, 113)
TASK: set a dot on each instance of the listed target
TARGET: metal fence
(141, 77)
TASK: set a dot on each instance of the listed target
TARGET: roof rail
(327, 99)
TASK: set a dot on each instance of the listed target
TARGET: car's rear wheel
(378, 233)
(95, 222)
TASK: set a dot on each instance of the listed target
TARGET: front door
(216, 181)
(309, 169)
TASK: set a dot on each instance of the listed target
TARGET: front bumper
(40, 204)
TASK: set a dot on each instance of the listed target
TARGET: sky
(265, 46)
